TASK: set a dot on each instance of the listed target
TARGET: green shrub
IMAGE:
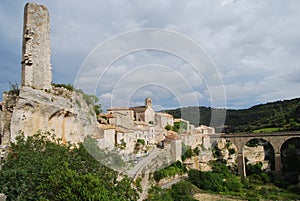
(233, 183)
(207, 180)
(66, 86)
(182, 191)
(141, 141)
(170, 171)
(231, 151)
(294, 188)
(14, 89)
(168, 127)
(187, 152)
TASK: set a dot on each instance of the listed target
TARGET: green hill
(270, 117)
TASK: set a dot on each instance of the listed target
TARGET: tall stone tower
(36, 49)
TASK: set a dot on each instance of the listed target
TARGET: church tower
(148, 102)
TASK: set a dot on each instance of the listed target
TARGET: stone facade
(120, 116)
(36, 49)
(163, 119)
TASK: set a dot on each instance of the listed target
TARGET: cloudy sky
(248, 50)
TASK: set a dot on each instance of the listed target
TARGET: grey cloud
(255, 44)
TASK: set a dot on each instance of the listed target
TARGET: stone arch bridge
(275, 139)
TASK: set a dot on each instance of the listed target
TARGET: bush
(66, 86)
(255, 179)
(141, 141)
(233, 183)
(294, 188)
(207, 180)
(182, 191)
(168, 127)
(265, 178)
(172, 170)
(220, 167)
(14, 89)
(254, 169)
(39, 167)
(187, 152)
(231, 151)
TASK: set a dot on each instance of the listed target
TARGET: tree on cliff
(39, 167)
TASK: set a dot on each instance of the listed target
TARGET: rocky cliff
(63, 112)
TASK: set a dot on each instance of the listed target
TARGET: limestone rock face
(224, 147)
(254, 154)
(64, 112)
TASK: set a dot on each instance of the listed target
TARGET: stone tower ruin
(36, 49)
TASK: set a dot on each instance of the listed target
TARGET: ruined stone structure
(275, 139)
(36, 50)
(38, 105)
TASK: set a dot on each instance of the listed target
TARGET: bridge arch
(290, 159)
(275, 139)
(268, 152)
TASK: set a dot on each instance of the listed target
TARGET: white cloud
(255, 45)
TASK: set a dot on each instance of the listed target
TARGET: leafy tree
(170, 171)
(292, 159)
(207, 180)
(39, 167)
(187, 152)
(182, 191)
(155, 193)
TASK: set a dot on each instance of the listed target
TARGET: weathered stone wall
(176, 147)
(162, 119)
(36, 49)
(67, 114)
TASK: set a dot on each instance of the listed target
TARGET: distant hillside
(269, 117)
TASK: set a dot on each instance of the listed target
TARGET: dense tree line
(41, 168)
(275, 116)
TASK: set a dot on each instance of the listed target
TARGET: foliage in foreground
(41, 168)
(181, 191)
(170, 171)
(255, 187)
